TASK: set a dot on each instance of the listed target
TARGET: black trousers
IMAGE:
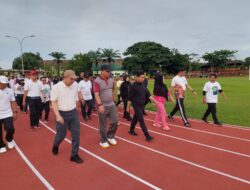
(119, 100)
(179, 106)
(211, 109)
(125, 103)
(9, 128)
(19, 101)
(46, 108)
(138, 116)
(25, 109)
(88, 104)
(35, 110)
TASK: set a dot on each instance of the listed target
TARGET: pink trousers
(161, 114)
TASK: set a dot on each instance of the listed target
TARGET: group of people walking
(36, 95)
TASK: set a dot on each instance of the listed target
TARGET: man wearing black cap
(105, 97)
(85, 86)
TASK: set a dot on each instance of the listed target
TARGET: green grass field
(235, 111)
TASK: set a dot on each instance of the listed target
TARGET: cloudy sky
(74, 26)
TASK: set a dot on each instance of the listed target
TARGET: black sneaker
(187, 124)
(88, 117)
(76, 159)
(170, 117)
(133, 133)
(85, 118)
(218, 123)
(205, 121)
(55, 150)
(149, 138)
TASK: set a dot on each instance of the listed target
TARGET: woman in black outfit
(125, 86)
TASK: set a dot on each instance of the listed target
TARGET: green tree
(247, 61)
(95, 57)
(218, 59)
(30, 61)
(110, 54)
(80, 63)
(58, 57)
(146, 56)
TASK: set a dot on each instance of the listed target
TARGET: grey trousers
(71, 122)
(111, 114)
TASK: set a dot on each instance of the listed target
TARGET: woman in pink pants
(161, 95)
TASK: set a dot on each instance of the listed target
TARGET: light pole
(21, 46)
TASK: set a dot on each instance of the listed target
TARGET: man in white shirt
(8, 113)
(64, 96)
(118, 85)
(19, 89)
(45, 99)
(85, 86)
(33, 90)
(179, 85)
(210, 96)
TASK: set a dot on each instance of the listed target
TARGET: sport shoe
(46, 121)
(104, 144)
(218, 123)
(133, 133)
(10, 144)
(205, 121)
(156, 125)
(187, 124)
(149, 138)
(166, 128)
(112, 141)
(3, 150)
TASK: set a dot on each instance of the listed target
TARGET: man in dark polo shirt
(105, 97)
(138, 95)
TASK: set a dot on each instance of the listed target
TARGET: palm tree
(110, 54)
(58, 56)
(95, 56)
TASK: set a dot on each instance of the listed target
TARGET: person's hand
(101, 109)
(83, 102)
(204, 101)
(194, 93)
(24, 104)
(14, 116)
(59, 119)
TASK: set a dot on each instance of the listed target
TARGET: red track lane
(164, 172)
(217, 141)
(60, 172)
(15, 174)
(218, 160)
(236, 132)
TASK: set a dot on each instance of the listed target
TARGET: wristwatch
(99, 104)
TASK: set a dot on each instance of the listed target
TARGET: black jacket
(124, 90)
(138, 94)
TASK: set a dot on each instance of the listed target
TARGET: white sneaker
(104, 144)
(112, 141)
(10, 145)
(3, 150)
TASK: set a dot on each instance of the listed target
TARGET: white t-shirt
(65, 96)
(181, 81)
(85, 87)
(6, 96)
(19, 89)
(118, 85)
(212, 91)
(34, 88)
(46, 89)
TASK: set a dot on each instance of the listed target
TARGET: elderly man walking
(64, 96)
(105, 98)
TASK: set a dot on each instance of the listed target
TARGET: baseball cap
(33, 72)
(4, 79)
(105, 67)
(70, 73)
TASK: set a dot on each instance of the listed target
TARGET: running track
(201, 157)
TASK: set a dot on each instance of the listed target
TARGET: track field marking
(108, 163)
(179, 159)
(34, 170)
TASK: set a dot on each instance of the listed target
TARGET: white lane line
(34, 170)
(192, 142)
(225, 125)
(201, 131)
(109, 163)
(179, 159)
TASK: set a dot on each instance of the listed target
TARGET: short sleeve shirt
(6, 97)
(212, 91)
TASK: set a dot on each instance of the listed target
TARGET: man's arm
(223, 94)
(191, 89)
(97, 97)
(25, 96)
(14, 109)
(56, 111)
